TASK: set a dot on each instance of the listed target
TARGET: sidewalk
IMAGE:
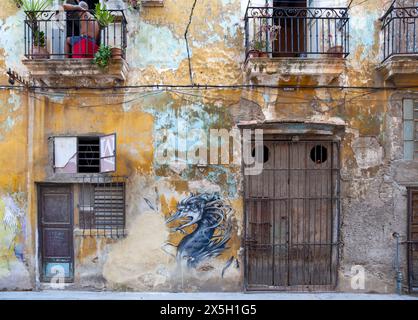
(84, 295)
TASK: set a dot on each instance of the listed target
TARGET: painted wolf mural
(212, 218)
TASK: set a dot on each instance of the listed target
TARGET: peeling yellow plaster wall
(15, 241)
(216, 43)
(134, 131)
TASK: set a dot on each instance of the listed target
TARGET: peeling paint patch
(156, 47)
(368, 152)
(361, 32)
(177, 123)
(12, 41)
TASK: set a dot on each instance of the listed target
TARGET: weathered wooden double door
(292, 211)
(412, 242)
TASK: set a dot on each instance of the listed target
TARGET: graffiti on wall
(11, 241)
(208, 218)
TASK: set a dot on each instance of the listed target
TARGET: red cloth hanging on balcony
(85, 48)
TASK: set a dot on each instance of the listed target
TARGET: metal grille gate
(412, 242)
(292, 217)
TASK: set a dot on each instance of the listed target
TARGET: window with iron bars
(410, 119)
(101, 206)
(84, 154)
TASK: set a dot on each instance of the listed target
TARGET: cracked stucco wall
(374, 175)
(373, 172)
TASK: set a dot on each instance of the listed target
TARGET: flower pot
(253, 54)
(39, 52)
(116, 53)
(257, 54)
(336, 52)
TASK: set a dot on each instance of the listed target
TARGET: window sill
(120, 233)
(79, 177)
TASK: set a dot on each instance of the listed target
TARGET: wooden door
(292, 217)
(413, 240)
(55, 223)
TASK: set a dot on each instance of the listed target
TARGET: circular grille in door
(319, 154)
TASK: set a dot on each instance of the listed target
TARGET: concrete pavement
(88, 295)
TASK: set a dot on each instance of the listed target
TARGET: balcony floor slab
(75, 72)
(293, 71)
(402, 70)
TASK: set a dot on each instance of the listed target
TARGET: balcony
(400, 45)
(298, 44)
(60, 48)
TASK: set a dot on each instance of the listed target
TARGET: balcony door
(289, 19)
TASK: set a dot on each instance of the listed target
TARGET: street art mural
(209, 218)
(13, 272)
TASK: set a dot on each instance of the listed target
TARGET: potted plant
(334, 50)
(39, 50)
(33, 10)
(116, 53)
(257, 51)
(102, 57)
(104, 17)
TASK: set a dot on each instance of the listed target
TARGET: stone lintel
(286, 127)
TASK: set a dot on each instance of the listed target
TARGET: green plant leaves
(34, 8)
(39, 38)
(103, 17)
(102, 56)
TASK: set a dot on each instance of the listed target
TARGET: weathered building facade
(98, 187)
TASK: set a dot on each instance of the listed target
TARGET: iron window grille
(88, 154)
(399, 28)
(102, 207)
(294, 29)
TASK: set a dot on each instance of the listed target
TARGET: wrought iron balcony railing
(278, 31)
(57, 34)
(400, 28)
